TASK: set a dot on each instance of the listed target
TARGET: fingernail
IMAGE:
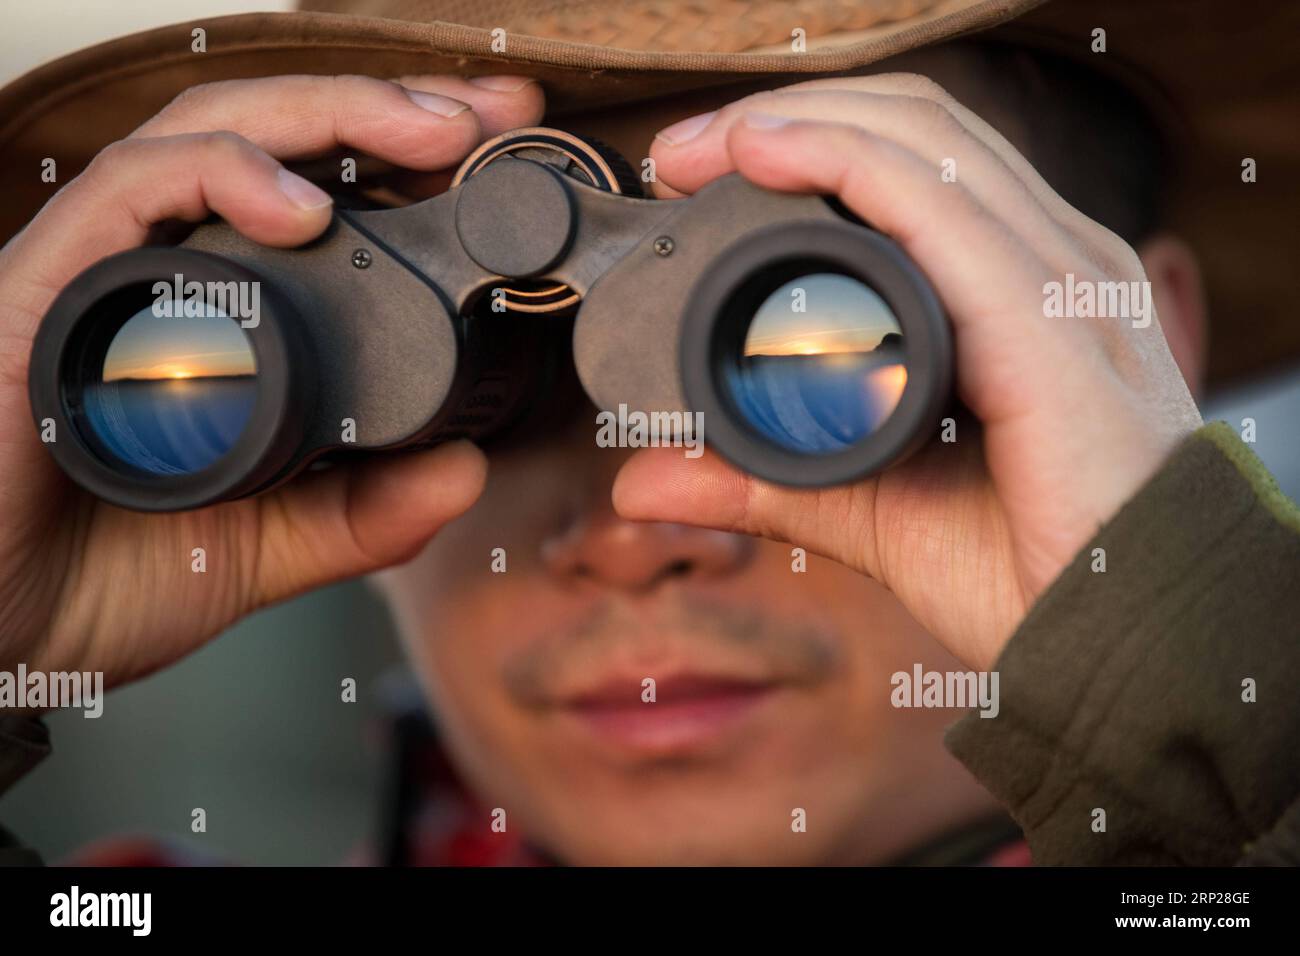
(444, 106)
(685, 130)
(301, 192)
(765, 120)
(502, 84)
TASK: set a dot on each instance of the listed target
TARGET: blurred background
(252, 728)
(37, 32)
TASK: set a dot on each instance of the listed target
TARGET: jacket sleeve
(24, 742)
(1163, 691)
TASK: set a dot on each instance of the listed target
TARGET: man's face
(771, 687)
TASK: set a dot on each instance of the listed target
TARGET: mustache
(689, 631)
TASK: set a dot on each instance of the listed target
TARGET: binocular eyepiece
(809, 346)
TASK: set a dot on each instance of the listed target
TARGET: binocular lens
(816, 351)
(176, 390)
(821, 366)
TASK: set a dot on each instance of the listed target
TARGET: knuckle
(112, 159)
(195, 98)
(754, 101)
(1112, 255)
(223, 144)
(344, 87)
(365, 108)
(1124, 257)
(357, 81)
(920, 86)
(865, 152)
(934, 115)
(859, 141)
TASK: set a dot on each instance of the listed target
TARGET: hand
(1076, 414)
(87, 586)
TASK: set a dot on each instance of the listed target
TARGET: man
(773, 733)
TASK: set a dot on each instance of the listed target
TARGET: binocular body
(812, 349)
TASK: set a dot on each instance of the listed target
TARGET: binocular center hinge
(515, 218)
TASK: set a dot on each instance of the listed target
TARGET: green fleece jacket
(1149, 713)
(1163, 692)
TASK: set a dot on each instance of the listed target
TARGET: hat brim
(72, 107)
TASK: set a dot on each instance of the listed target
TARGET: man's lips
(687, 714)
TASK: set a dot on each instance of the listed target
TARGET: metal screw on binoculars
(813, 347)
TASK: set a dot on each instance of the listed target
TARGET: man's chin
(686, 846)
(732, 813)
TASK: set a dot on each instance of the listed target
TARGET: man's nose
(639, 556)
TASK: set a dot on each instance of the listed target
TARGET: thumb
(659, 484)
(356, 519)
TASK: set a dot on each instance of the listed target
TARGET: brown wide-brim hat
(1230, 69)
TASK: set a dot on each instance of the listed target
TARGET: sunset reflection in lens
(822, 366)
(175, 393)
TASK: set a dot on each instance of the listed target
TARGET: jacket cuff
(1162, 690)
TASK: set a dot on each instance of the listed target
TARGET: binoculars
(809, 347)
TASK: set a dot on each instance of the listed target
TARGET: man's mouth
(676, 715)
(685, 676)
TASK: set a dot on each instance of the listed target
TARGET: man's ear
(1179, 298)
